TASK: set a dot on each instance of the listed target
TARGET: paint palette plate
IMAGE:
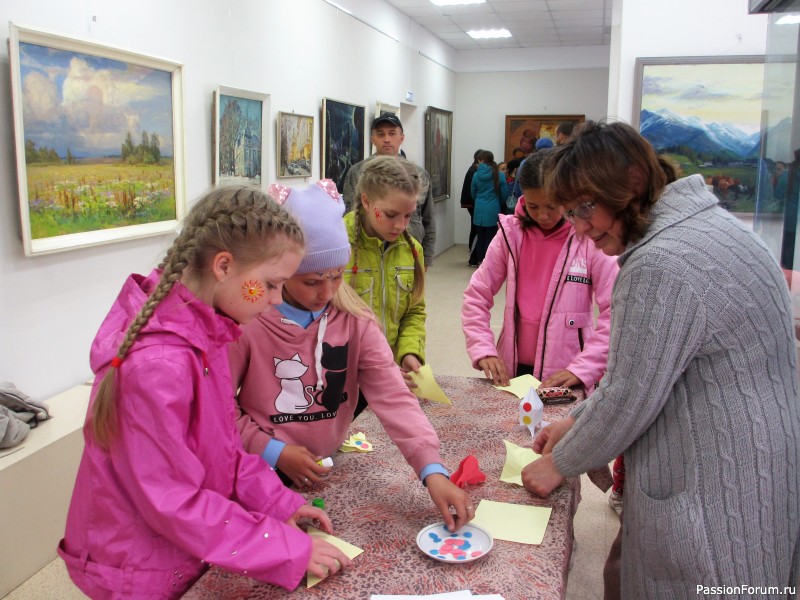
(467, 544)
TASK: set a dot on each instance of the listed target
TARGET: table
(377, 503)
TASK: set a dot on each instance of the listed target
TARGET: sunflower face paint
(252, 290)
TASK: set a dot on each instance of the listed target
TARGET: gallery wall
(298, 52)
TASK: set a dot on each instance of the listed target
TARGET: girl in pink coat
(164, 487)
(553, 278)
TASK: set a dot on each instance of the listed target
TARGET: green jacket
(384, 281)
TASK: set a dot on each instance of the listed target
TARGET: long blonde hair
(238, 219)
(380, 175)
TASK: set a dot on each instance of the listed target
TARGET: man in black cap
(387, 136)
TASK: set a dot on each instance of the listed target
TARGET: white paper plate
(467, 544)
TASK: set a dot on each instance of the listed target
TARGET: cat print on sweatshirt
(292, 399)
(295, 398)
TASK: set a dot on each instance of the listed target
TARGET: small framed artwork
(705, 113)
(523, 131)
(240, 136)
(99, 142)
(381, 108)
(343, 128)
(295, 144)
(438, 150)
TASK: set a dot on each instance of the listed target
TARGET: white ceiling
(531, 22)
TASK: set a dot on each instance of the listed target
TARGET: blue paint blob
(467, 534)
(455, 535)
(434, 537)
(433, 551)
(461, 558)
(466, 545)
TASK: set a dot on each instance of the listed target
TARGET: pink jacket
(176, 491)
(301, 386)
(567, 336)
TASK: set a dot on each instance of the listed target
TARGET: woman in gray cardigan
(701, 389)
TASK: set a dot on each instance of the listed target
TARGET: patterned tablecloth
(376, 503)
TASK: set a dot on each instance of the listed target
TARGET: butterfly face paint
(252, 290)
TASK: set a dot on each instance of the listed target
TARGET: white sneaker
(615, 501)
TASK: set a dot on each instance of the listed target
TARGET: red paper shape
(468, 472)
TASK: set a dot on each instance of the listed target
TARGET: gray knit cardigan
(701, 396)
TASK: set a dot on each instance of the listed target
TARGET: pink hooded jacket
(176, 491)
(567, 336)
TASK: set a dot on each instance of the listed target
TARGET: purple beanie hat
(319, 209)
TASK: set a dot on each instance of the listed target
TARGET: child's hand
(326, 559)
(297, 463)
(445, 494)
(551, 435)
(562, 378)
(312, 513)
(495, 369)
(410, 363)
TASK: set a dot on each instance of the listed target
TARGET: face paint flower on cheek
(378, 215)
(252, 290)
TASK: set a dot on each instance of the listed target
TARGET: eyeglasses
(583, 212)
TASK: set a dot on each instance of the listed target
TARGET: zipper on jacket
(382, 271)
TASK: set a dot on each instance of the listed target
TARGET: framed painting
(99, 142)
(705, 113)
(438, 150)
(295, 144)
(522, 131)
(240, 136)
(382, 108)
(343, 128)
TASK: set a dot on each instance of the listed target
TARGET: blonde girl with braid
(386, 266)
(164, 487)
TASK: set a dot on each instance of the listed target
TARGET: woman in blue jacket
(489, 191)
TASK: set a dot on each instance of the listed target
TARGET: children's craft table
(377, 503)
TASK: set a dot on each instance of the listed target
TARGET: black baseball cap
(388, 118)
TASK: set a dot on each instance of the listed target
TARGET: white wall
(484, 99)
(676, 28)
(299, 52)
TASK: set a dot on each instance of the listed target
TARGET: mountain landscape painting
(706, 115)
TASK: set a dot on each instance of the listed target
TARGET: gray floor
(596, 524)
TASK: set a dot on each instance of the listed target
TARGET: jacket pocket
(364, 285)
(579, 320)
(404, 284)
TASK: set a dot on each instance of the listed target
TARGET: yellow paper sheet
(349, 550)
(513, 522)
(516, 458)
(519, 386)
(427, 386)
(356, 443)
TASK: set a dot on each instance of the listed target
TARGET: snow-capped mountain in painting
(665, 129)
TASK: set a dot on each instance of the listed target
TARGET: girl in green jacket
(386, 265)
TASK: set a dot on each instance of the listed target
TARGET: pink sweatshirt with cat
(301, 386)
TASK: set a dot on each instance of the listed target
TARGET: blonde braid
(241, 220)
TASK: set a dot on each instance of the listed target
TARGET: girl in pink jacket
(164, 487)
(552, 278)
(299, 368)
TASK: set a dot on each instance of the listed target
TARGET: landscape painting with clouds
(98, 137)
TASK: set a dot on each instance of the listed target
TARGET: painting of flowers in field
(98, 156)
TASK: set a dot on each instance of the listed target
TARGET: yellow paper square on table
(513, 522)
(427, 387)
(349, 550)
(519, 386)
(516, 459)
(356, 443)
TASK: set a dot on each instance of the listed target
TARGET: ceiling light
(456, 2)
(788, 20)
(485, 34)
